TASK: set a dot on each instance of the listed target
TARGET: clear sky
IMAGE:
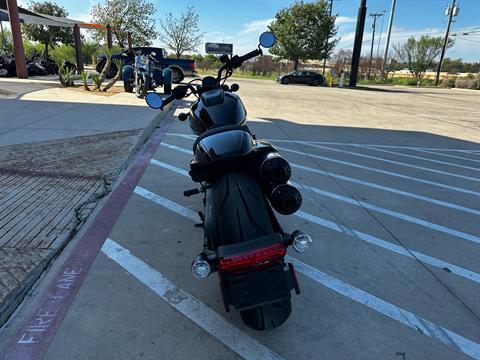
(241, 21)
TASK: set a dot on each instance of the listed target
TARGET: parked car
(180, 67)
(302, 77)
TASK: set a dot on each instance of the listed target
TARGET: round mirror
(267, 39)
(154, 100)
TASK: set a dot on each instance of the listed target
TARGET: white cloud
(345, 20)
(256, 26)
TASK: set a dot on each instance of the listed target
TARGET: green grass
(404, 81)
(240, 74)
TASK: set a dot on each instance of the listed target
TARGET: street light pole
(325, 59)
(357, 46)
(375, 15)
(390, 22)
(452, 11)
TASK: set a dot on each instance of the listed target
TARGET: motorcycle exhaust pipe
(275, 169)
(285, 198)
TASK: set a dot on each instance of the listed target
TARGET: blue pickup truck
(180, 67)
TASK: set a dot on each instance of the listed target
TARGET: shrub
(469, 82)
(85, 75)
(66, 76)
(448, 82)
(97, 81)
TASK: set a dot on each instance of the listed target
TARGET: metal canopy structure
(29, 17)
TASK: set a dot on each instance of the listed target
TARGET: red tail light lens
(253, 259)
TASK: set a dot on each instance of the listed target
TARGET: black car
(302, 77)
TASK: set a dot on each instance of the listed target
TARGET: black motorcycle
(242, 179)
(143, 76)
(7, 65)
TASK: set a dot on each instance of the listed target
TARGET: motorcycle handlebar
(178, 93)
(250, 55)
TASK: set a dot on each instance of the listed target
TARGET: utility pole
(380, 37)
(390, 22)
(357, 46)
(451, 11)
(374, 15)
(325, 59)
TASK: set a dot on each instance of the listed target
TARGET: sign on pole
(218, 48)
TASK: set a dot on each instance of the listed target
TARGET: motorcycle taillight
(253, 259)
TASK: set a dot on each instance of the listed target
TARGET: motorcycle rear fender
(127, 73)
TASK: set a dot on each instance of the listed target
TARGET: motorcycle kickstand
(202, 217)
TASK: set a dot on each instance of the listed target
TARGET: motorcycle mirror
(154, 100)
(234, 87)
(267, 39)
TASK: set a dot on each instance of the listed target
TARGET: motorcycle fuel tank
(216, 108)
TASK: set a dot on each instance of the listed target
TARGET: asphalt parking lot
(391, 188)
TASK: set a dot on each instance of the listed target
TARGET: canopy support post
(19, 52)
(109, 36)
(78, 47)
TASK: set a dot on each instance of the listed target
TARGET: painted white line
(447, 155)
(389, 189)
(395, 214)
(470, 275)
(399, 163)
(405, 317)
(422, 158)
(178, 148)
(465, 273)
(176, 208)
(193, 137)
(366, 183)
(231, 336)
(409, 319)
(358, 166)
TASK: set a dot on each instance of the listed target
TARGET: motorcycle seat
(220, 129)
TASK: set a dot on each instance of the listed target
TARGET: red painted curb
(37, 332)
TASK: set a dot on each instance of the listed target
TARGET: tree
(181, 34)
(302, 31)
(341, 59)
(48, 35)
(134, 16)
(420, 55)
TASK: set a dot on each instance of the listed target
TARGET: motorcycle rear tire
(267, 317)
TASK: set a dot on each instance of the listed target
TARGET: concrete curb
(144, 135)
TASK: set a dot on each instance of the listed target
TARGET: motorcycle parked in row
(36, 65)
(143, 76)
(241, 179)
(7, 65)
